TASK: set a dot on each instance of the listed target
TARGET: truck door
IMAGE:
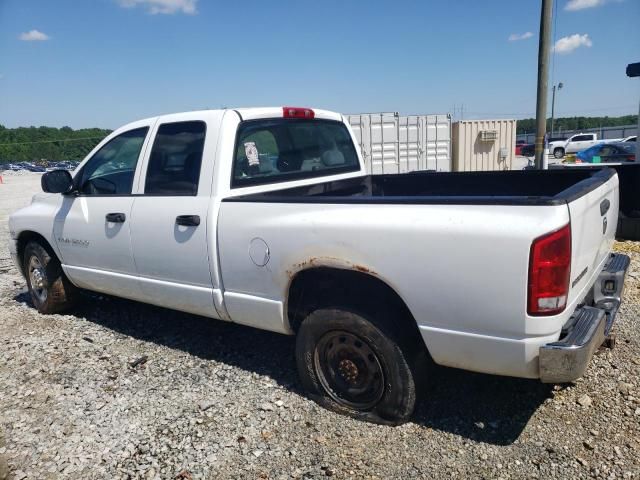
(579, 142)
(92, 228)
(171, 216)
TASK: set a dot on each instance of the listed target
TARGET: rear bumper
(567, 359)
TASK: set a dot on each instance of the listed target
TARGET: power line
(53, 141)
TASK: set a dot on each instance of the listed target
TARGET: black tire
(339, 353)
(50, 290)
(558, 152)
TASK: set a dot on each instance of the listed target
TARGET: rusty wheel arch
(347, 285)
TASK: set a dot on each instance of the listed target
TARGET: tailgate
(594, 218)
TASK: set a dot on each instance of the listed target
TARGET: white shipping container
(391, 143)
(480, 145)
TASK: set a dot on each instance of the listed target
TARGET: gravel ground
(208, 399)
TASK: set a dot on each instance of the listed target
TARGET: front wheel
(558, 153)
(349, 364)
(50, 289)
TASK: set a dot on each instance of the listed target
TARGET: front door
(171, 217)
(92, 228)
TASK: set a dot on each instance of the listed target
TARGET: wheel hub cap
(38, 279)
(349, 370)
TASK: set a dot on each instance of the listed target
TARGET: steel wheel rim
(349, 370)
(37, 279)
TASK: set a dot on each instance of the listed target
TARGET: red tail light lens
(549, 271)
(297, 112)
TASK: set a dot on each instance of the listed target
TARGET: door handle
(604, 206)
(188, 220)
(115, 217)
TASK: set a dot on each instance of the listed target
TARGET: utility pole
(543, 76)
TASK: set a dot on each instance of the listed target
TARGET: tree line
(47, 143)
(528, 125)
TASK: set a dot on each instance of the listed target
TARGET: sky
(103, 63)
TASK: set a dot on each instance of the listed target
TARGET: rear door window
(278, 150)
(176, 158)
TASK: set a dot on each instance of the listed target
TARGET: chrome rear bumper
(567, 359)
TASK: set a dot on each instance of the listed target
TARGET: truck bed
(526, 187)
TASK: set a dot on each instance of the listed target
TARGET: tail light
(297, 112)
(549, 271)
(631, 158)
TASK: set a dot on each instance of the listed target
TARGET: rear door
(594, 217)
(171, 216)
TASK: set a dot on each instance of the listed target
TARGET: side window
(582, 138)
(176, 157)
(111, 169)
(607, 150)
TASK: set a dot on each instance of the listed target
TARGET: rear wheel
(49, 288)
(558, 153)
(350, 363)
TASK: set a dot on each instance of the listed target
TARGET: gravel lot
(216, 400)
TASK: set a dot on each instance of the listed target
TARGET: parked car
(519, 144)
(528, 150)
(266, 217)
(608, 153)
(573, 144)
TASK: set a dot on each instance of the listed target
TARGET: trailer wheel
(350, 364)
(49, 288)
(558, 152)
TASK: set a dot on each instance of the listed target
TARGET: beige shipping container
(480, 145)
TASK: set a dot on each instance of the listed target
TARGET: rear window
(627, 148)
(279, 150)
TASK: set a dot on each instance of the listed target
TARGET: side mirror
(57, 181)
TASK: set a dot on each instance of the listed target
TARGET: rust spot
(329, 261)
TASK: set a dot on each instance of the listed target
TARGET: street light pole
(553, 105)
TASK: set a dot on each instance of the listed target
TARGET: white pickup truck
(576, 143)
(266, 217)
(573, 144)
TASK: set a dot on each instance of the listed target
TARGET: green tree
(528, 125)
(47, 143)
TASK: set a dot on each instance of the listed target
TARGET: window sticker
(251, 153)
